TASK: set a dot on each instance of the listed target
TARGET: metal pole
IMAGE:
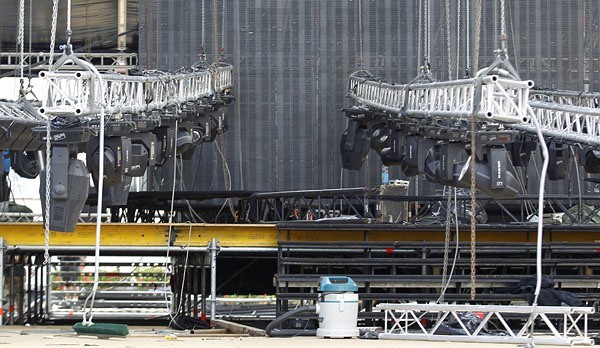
(214, 248)
(11, 302)
(203, 287)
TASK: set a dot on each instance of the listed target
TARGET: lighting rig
(150, 116)
(425, 127)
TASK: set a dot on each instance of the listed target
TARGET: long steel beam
(268, 235)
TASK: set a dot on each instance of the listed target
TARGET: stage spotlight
(520, 151)
(184, 140)
(410, 162)
(393, 155)
(117, 194)
(440, 160)
(380, 138)
(116, 157)
(492, 175)
(354, 146)
(558, 154)
(25, 163)
(591, 161)
(69, 186)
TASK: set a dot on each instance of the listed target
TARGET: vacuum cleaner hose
(273, 332)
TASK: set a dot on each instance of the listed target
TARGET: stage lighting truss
(77, 93)
(490, 98)
(565, 116)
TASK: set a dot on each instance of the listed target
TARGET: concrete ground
(147, 337)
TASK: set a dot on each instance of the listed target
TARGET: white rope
(171, 212)
(185, 266)
(87, 313)
(540, 225)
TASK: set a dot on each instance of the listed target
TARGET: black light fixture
(380, 137)
(69, 186)
(25, 164)
(354, 146)
(410, 162)
(116, 156)
(439, 163)
(591, 161)
(393, 155)
(492, 176)
(520, 150)
(558, 154)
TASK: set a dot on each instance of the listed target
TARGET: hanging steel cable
(448, 39)
(458, 37)
(21, 40)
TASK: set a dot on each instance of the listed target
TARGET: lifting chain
(502, 28)
(473, 157)
(48, 144)
(21, 40)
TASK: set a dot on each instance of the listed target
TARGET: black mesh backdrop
(292, 59)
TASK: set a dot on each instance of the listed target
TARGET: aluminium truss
(78, 93)
(17, 118)
(563, 115)
(567, 325)
(490, 98)
(565, 123)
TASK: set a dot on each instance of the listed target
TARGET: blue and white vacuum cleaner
(337, 307)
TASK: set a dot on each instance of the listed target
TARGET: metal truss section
(39, 61)
(77, 93)
(567, 325)
(16, 120)
(565, 123)
(336, 204)
(490, 98)
(575, 98)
